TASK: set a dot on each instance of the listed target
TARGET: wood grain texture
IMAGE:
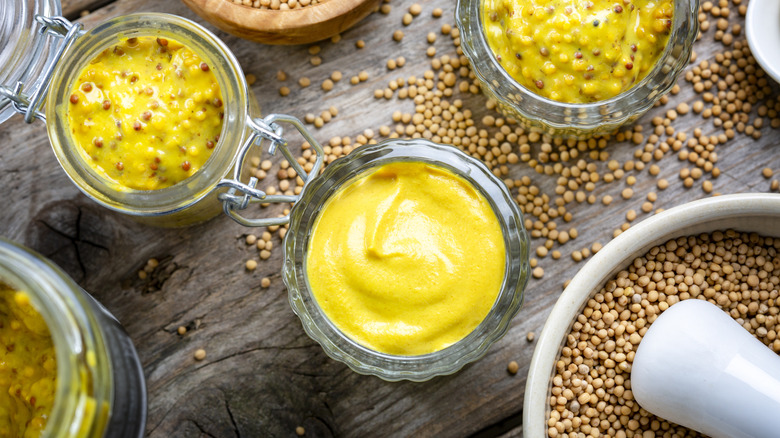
(262, 375)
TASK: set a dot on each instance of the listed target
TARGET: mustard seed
(512, 368)
(300, 431)
(181, 330)
(398, 35)
(767, 172)
(265, 282)
(200, 354)
(530, 336)
(538, 272)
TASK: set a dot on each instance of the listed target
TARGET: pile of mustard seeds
(591, 386)
(732, 91)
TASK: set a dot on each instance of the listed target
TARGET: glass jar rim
(395, 367)
(187, 192)
(54, 296)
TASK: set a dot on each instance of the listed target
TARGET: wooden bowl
(294, 26)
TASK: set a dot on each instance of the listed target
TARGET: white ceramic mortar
(754, 212)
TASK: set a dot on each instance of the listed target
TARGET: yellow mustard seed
(200, 354)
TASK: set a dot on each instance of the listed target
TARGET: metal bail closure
(240, 195)
(28, 105)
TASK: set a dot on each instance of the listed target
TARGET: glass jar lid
(25, 51)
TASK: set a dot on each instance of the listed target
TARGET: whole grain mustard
(406, 260)
(577, 51)
(28, 368)
(146, 113)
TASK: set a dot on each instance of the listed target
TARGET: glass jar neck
(84, 376)
(25, 51)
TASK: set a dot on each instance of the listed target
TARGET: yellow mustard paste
(407, 259)
(146, 112)
(577, 51)
(28, 369)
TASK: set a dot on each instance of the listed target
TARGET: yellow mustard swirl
(146, 113)
(577, 51)
(407, 259)
(28, 368)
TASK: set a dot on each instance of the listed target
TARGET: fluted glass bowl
(387, 366)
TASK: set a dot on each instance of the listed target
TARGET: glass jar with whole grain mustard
(519, 49)
(52, 65)
(445, 263)
(79, 374)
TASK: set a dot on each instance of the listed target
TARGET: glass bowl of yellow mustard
(576, 69)
(406, 259)
(146, 113)
(69, 368)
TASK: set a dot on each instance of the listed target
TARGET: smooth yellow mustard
(146, 113)
(577, 51)
(28, 369)
(407, 259)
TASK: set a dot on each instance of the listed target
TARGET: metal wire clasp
(240, 195)
(28, 105)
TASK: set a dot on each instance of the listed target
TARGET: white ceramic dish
(762, 26)
(758, 212)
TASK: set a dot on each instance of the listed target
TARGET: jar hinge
(29, 106)
(240, 195)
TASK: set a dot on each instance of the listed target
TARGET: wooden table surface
(262, 375)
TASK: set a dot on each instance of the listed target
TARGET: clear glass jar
(393, 367)
(100, 384)
(192, 200)
(179, 204)
(575, 120)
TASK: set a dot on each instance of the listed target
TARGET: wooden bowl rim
(307, 15)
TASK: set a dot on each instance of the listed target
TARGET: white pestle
(699, 368)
